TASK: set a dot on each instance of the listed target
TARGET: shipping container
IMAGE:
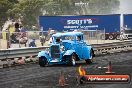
(109, 23)
(127, 26)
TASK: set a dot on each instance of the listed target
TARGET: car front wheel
(90, 60)
(42, 61)
(72, 60)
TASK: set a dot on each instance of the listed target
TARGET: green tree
(5, 5)
(30, 10)
(68, 7)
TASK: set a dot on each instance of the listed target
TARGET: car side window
(58, 40)
(78, 38)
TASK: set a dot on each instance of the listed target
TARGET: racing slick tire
(90, 60)
(72, 60)
(42, 61)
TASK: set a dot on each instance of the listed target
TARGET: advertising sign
(87, 22)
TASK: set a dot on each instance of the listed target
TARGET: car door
(79, 49)
(85, 51)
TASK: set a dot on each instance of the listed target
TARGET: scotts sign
(85, 22)
(80, 24)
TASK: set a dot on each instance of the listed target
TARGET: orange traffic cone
(109, 71)
(61, 79)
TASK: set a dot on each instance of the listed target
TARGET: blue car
(66, 48)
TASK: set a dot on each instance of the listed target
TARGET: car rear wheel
(90, 60)
(42, 61)
(72, 60)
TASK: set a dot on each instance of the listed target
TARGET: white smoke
(125, 7)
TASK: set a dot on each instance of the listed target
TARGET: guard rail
(31, 51)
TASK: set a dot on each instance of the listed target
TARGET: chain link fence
(38, 38)
(23, 39)
(94, 36)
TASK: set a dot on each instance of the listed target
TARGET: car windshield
(68, 38)
(58, 39)
(128, 31)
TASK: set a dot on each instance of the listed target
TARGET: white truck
(126, 34)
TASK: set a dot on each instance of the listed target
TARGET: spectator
(50, 41)
(16, 27)
(42, 40)
(22, 29)
(32, 43)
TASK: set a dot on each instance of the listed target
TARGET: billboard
(111, 23)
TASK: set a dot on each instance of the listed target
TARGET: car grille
(129, 35)
(55, 51)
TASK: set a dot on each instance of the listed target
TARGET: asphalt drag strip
(34, 76)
